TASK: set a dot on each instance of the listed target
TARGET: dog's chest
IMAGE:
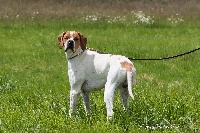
(90, 71)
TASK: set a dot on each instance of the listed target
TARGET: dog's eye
(66, 38)
(76, 39)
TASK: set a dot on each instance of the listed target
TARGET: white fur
(91, 71)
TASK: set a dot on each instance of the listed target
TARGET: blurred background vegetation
(54, 9)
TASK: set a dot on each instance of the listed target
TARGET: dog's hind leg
(110, 89)
(124, 94)
(109, 98)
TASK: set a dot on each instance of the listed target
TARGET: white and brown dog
(89, 70)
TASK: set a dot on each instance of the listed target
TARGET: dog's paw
(70, 113)
(110, 118)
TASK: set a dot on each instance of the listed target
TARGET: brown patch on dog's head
(60, 39)
(83, 41)
(79, 39)
(127, 66)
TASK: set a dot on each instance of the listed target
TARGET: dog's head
(72, 40)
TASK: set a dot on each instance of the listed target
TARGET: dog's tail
(130, 78)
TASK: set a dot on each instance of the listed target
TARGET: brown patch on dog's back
(127, 66)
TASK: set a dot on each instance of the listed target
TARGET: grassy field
(34, 87)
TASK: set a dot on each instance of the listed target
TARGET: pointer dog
(89, 70)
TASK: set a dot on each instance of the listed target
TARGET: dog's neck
(71, 55)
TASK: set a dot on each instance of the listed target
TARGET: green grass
(34, 87)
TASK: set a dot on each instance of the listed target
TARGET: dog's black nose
(70, 42)
(70, 45)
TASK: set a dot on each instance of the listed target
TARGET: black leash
(166, 58)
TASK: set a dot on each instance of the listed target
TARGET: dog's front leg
(73, 101)
(86, 100)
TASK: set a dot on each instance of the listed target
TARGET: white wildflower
(141, 18)
(91, 18)
(175, 19)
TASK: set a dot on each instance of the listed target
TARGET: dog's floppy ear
(83, 41)
(60, 39)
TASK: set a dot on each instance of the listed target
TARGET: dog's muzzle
(70, 45)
